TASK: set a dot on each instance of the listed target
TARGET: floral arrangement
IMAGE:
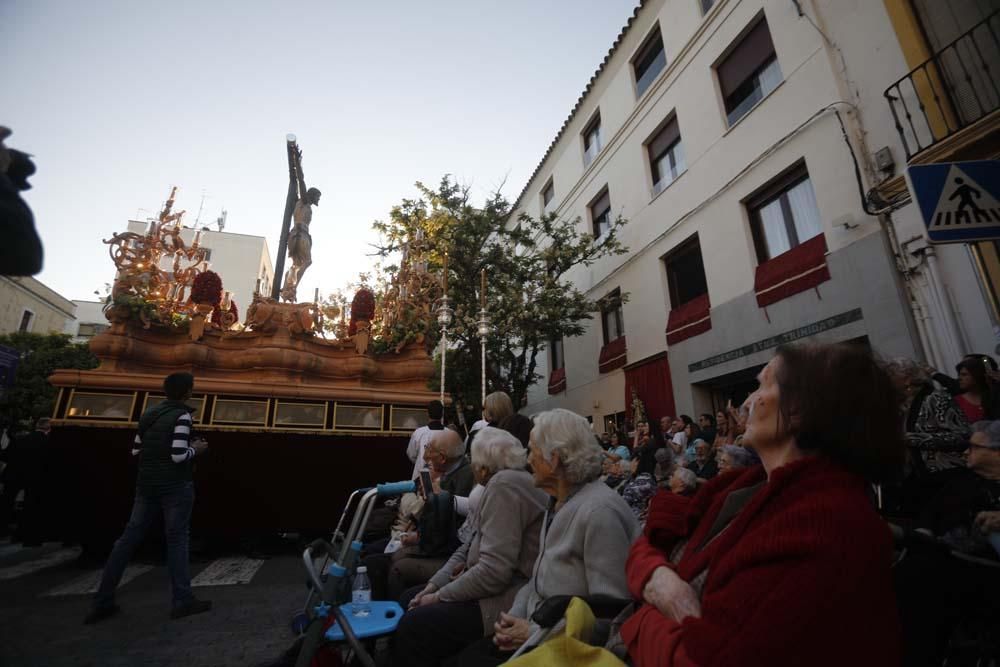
(362, 309)
(207, 288)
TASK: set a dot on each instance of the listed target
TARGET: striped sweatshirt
(163, 447)
(180, 448)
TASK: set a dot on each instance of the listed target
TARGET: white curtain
(802, 200)
(772, 224)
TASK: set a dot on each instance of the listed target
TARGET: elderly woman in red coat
(784, 563)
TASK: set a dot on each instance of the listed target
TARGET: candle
(444, 274)
(197, 238)
(227, 300)
(482, 289)
(256, 289)
(316, 296)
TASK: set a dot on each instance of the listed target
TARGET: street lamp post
(444, 314)
(484, 331)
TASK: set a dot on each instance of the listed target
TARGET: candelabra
(444, 315)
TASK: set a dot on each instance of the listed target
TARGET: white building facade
(715, 129)
(27, 305)
(241, 260)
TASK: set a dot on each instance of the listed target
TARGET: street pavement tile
(88, 583)
(228, 571)
(42, 562)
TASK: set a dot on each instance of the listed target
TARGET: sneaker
(98, 614)
(194, 606)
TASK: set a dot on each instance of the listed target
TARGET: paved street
(44, 595)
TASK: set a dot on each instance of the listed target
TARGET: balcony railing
(951, 90)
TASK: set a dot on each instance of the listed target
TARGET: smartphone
(425, 482)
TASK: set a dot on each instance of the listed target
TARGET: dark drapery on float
(651, 380)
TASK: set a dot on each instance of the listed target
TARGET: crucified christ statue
(299, 240)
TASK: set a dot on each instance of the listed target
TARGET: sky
(120, 100)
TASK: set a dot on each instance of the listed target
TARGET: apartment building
(739, 139)
(27, 305)
(241, 260)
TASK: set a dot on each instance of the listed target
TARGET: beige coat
(499, 557)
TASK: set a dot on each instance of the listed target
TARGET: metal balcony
(951, 90)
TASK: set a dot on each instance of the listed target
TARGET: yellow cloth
(569, 646)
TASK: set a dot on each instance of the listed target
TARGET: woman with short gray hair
(731, 457)
(585, 544)
(683, 482)
(464, 599)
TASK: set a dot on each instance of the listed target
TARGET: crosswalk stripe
(88, 583)
(228, 571)
(48, 560)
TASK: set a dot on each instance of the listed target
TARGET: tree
(32, 396)
(528, 299)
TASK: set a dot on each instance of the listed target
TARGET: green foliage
(32, 396)
(529, 300)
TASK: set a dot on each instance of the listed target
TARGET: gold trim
(201, 412)
(277, 406)
(266, 402)
(381, 415)
(73, 392)
(58, 402)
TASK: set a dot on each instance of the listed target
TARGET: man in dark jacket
(165, 450)
(25, 458)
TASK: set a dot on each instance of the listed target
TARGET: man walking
(165, 450)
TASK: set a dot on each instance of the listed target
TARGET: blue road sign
(959, 201)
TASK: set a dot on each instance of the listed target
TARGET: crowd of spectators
(758, 534)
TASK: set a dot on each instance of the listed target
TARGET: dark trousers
(28, 528)
(483, 653)
(937, 593)
(429, 635)
(176, 507)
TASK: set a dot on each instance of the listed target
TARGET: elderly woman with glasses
(585, 537)
(464, 599)
(964, 513)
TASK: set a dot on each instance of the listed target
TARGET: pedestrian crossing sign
(959, 201)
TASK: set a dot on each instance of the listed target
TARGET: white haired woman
(585, 538)
(463, 600)
(731, 457)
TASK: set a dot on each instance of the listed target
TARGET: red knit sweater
(801, 576)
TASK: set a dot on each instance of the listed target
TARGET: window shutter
(602, 204)
(748, 56)
(663, 139)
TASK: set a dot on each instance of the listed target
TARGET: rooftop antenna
(197, 219)
(221, 220)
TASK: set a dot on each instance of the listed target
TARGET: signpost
(959, 201)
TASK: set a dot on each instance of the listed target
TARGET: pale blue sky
(120, 100)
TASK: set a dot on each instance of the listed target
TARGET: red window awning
(690, 319)
(801, 268)
(613, 355)
(557, 381)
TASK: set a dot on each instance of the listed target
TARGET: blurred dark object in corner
(20, 247)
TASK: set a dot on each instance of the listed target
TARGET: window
(649, 61)
(600, 214)
(548, 194)
(26, 319)
(706, 5)
(749, 72)
(612, 323)
(556, 358)
(592, 140)
(666, 155)
(208, 254)
(685, 273)
(784, 214)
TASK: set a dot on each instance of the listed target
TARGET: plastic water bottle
(361, 593)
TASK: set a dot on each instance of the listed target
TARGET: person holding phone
(164, 485)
